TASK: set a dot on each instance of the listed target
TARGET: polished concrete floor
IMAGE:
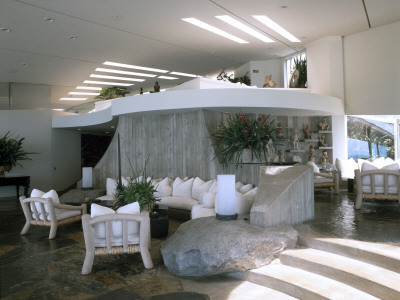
(33, 267)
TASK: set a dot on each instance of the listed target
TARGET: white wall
(372, 77)
(265, 68)
(59, 149)
(325, 66)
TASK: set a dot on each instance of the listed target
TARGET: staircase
(332, 268)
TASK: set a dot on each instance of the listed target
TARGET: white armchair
(46, 212)
(325, 180)
(116, 233)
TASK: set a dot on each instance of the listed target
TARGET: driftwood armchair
(46, 212)
(116, 234)
(377, 184)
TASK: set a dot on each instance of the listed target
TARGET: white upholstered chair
(46, 212)
(325, 180)
(116, 233)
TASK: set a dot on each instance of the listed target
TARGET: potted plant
(112, 93)
(138, 189)
(299, 75)
(240, 135)
(11, 152)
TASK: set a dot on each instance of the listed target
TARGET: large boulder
(207, 246)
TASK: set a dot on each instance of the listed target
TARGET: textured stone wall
(285, 196)
(178, 144)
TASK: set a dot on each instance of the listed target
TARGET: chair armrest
(81, 207)
(326, 175)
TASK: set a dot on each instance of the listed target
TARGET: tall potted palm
(11, 152)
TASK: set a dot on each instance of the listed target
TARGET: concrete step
(382, 255)
(372, 279)
(302, 284)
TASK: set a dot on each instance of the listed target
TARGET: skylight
(231, 21)
(124, 72)
(115, 64)
(108, 83)
(92, 88)
(83, 94)
(277, 28)
(115, 77)
(215, 30)
(168, 77)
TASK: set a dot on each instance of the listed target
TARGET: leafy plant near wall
(241, 133)
(11, 151)
(112, 93)
(139, 189)
(301, 66)
(245, 79)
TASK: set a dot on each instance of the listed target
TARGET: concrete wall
(371, 68)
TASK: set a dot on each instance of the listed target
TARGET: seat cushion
(178, 202)
(198, 211)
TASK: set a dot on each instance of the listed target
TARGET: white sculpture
(295, 139)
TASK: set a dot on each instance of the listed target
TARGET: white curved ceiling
(151, 33)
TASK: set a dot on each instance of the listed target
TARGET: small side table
(159, 226)
(17, 181)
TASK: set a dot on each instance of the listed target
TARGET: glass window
(289, 66)
(371, 137)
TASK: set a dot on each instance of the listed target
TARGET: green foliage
(112, 93)
(138, 189)
(301, 66)
(241, 133)
(11, 150)
(245, 79)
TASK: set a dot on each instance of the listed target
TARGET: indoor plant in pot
(242, 135)
(112, 93)
(139, 189)
(11, 152)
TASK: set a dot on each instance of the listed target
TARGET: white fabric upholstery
(207, 199)
(182, 188)
(243, 204)
(379, 179)
(245, 188)
(111, 186)
(163, 188)
(179, 202)
(238, 185)
(379, 189)
(346, 167)
(251, 195)
(315, 167)
(198, 211)
(214, 187)
(199, 186)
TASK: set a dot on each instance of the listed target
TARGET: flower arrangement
(242, 133)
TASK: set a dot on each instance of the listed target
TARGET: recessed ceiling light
(58, 109)
(93, 88)
(124, 72)
(215, 30)
(183, 74)
(83, 94)
(5, 29)
(108, 83)
(231, 21)
(75, 99)
(110, 63)
(116, 77)
(167, 77)
(72, 37)
(25, 64)
(277, 28)
(50, 20)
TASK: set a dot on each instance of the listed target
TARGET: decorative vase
(4, 169)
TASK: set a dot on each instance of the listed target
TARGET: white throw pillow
(392, 180)
(99, 210)
(360, 162)
(245, 188)
(207, 199)
(251, 195)
(366, 180)
(111, 186)
(243, 205)
(346, 167)
(125, 181)
(163, 188)
(37, 193)
(315, 167)
(182, 188)
(214, 187)
(379, 162)
(53, 195)
(238, 185)
(199, 186)
(132, 208)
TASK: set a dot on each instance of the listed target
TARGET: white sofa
(192, 196)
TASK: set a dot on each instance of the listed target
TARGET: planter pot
(4, 169)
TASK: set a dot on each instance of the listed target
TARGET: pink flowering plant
(243, 133)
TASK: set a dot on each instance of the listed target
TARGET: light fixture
(110, 63)
(167, 77)
(58, 109)
(115, 77)
(226, 198)
(71, 98)
(183, 74)
(5, 29)
(124, 72)
(215, 30)
(50, 20)
(235, 23)
(92, 88)
(83, 94)
(108, 83)
(277, 28)
(87, 178)
(72, 37)
(25, 64)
